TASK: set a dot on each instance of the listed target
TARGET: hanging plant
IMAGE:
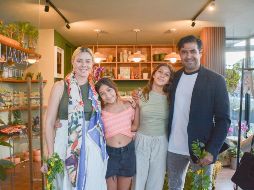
(232, 78)
(11, 30)
(17, 117)
(2, 27)
(23, 28)
(33, 35)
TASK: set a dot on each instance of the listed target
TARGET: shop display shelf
(19, 81)
(21, 108)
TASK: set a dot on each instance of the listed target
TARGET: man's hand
(208, 159)
(44, 168)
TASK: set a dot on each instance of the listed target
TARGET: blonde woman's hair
(82, 50)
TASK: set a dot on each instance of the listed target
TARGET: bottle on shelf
(125, 55)
(129, 54)
(121, 56)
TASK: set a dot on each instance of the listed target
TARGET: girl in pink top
(120, 120)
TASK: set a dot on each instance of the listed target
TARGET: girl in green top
(151, 139)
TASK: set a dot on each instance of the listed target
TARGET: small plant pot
(233, 163)
(145, 75)
(156, 57)
(36, 152)
(37, 158)
(26, 155)
(15, 160)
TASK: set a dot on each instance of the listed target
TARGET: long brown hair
(148, 87)
(108, 82)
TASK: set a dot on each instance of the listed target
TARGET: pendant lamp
(173, 57)
(32, 58)
(98, 57)
(136, 56)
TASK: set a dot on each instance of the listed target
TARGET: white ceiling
(117, 18)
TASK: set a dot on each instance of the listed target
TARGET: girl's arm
(135, 122)
(53, 104)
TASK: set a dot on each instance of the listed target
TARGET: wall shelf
(16, 45)
(19, 81)
(116, 63)
(35, 107)
(130, 79)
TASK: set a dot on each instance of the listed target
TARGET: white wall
(46, 63)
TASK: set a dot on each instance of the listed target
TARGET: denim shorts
(122, 161)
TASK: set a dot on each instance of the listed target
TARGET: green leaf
(3, 143)
(6, 164)
(2, 173)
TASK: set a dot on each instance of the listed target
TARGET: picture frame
(59, 62)
(125, 73)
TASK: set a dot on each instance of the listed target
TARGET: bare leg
(112, 183)
(123, 183)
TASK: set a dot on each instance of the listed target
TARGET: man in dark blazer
(199, 111)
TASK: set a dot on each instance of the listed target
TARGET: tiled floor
(20, 180)
(223, 181)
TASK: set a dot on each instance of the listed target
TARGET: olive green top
(63, 106)
(154, 115)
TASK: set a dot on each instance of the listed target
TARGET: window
(236, 51)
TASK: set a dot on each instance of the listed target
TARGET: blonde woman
(80, 140)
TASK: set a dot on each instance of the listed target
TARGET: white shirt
(178, 139)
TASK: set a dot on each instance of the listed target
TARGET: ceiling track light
(46, 9)
(193, 23)
(67, 25)
(194, 18)
(212, 6)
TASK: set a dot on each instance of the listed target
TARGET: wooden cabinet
(118, 67)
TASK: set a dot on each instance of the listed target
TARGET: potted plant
(2, 27)
(4, 164)
(11, 30)
(33, 35)
(8, 33)
(30, 75)
(38, 76)
(23, 28)
(233, 156)
(17, 117)
(145, 73)
(232, 78)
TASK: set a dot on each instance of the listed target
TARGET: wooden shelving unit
(9, 46)
(19, 81)
(21, 108)
(114, 61)
(130, 79)
(16, 45)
